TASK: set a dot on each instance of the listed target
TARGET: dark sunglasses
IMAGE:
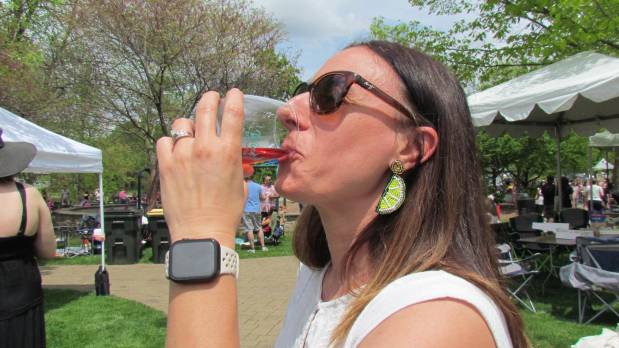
(328, 91)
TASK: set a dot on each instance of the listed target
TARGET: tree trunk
(154, 198)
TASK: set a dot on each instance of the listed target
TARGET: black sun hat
(15, 156)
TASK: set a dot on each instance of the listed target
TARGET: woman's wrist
(225, 237)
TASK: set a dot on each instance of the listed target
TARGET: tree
(505, 38)
(500, 39)
(525, 159)
(22, 81)
(529, 160)
(148, 62)
(115, 73)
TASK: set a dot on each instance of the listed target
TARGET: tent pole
(102, 219)
(590, 168)
(558, 178)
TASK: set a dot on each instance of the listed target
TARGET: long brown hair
(441, 224)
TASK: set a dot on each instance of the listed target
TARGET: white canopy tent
(55, 154)
(603, 165)
(604, 139)
(579, 93)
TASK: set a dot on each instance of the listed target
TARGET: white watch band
(229, 262)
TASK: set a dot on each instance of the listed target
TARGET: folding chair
(503, 233)
(515, 270)
(523, 226)
(576, 217)
(595, 271)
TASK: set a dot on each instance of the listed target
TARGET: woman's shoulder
(33, 192)
(430, 285)
(423, 287)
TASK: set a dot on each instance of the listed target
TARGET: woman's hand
(202, 188)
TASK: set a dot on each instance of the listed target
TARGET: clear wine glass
(262, 131)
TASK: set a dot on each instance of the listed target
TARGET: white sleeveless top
(309, 321)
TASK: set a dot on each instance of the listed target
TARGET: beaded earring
(395, 191)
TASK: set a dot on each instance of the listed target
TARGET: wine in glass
(262, 131)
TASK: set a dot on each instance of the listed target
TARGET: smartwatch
(199, 261)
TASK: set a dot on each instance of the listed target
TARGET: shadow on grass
(57, 296)
(79, 319)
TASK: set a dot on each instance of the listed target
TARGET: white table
(550, 226)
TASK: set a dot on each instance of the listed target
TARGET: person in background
(548, 192)
(64, 198)
(252, 219)
(26, 233)
(266, 225)
(394, 243)
(577, 188)
(50, 204)
(595, 193)
(122, 196)
(566, 193)
(268, 197)
(539, 200)
(85, 202)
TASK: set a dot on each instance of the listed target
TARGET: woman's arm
(45, 241)
(202, 191)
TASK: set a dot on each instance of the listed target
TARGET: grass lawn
(556, 322)
(76, 319)
(73, 318)
(147, 254)
(284, 248)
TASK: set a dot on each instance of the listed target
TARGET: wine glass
(262, 131)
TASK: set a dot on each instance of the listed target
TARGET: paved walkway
(265, 284)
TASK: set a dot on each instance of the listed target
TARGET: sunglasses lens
(329, 92)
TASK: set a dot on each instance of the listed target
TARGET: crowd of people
(578, 193)
(89, 199)
(595, 195)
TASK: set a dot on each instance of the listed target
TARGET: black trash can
(122, 238)
(160, 237)
(525, 206)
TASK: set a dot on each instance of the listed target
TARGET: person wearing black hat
(26, 233)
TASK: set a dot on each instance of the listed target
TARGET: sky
(316, 29)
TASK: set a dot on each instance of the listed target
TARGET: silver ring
(179, 134)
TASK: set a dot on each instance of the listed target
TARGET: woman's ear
(418, 147)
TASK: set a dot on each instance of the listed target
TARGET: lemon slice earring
(395, 192)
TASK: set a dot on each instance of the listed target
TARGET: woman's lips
(291, 152)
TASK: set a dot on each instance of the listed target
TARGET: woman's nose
(290, 114)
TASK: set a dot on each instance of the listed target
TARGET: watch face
(194, 260)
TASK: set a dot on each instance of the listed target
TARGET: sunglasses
(328, 91)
